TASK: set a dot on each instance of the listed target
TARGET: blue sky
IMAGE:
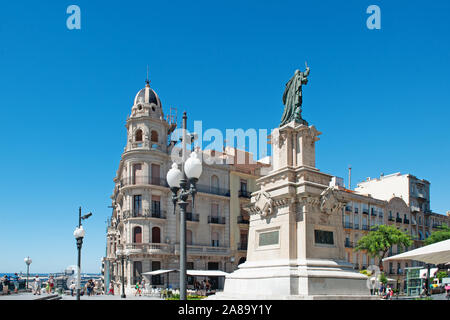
(380, 97)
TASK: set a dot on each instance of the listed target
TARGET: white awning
(156, 272)
(207, 273)
(435, 253)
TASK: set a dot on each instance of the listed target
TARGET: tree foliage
(378, 241)
(382, 278)
(440, 235)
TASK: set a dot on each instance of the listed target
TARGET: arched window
(138, 136)
(137, 235)
(421, 235)
(156, 235)
(154, 136)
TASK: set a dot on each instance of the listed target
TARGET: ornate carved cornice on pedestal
(265, 205)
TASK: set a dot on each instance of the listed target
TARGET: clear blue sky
(380, 97)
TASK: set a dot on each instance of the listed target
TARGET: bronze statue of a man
(292, 97)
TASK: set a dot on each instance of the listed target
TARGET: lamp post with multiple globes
(182, 184)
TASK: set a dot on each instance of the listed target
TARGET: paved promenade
(30, 296)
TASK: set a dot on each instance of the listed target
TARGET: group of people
(6, 281)
(204, 285)
(386, 292)
(49, 285)
(89, 288)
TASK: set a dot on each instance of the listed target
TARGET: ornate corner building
(143, 222)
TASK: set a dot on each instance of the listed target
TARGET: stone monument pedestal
(296, 237)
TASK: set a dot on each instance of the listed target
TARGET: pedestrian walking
(16, 283)
(51, 284)
(111, 288)
(72, 287)
(37, 285)
(388, 292)
(424, 290)
(143, 285)
(5, 281)
(138, 289)
(447, 290)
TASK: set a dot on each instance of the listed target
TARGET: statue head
(297, 72)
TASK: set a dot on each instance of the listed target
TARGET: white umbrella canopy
(388, 279)
(436, 253)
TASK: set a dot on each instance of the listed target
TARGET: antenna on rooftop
(349, 177)
(147, 81)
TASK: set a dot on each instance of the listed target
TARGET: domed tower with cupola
(146, 126)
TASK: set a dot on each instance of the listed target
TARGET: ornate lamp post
(28, 261)
(183, 184)
(121, 254)
(79, 234)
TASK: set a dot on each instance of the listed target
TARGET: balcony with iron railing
(143, 180)
(202, 249)
(242, 220)
(149, 248)
(365, 227)
(406, 221)
(398, 220)
(213, 190)
(356, 226)
(145, 213)
(245, 194)
(192, 217)
(348, 225)
(242, 246)
(391, 219)
(348, 244)
(216, 220)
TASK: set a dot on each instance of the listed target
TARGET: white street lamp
(28, 261)
(174, 176)
(79, 234)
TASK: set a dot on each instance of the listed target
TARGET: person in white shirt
(37, 285)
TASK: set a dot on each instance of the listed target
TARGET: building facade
(144, 222)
